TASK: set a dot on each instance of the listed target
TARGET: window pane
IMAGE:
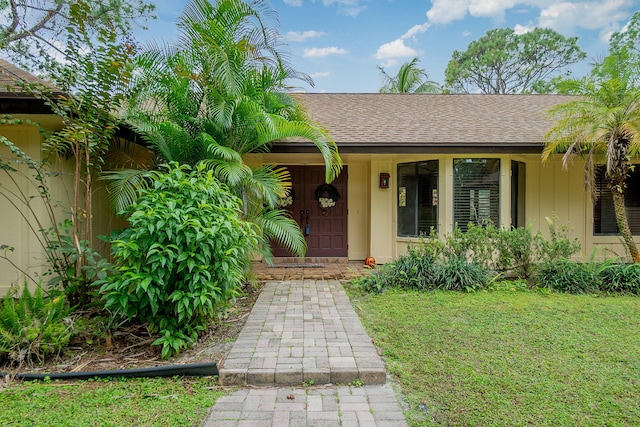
(476, 192)
(417, 198)
(407, 199)
(604, 217)
(427, 197)
(518, 187)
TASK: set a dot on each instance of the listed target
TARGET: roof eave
(395, 148)
(13, 103)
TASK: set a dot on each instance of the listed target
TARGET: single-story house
(412, 162)
(419, 161)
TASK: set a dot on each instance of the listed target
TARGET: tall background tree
(602, 125)
(409, 79)
(217, 95)
(31, 30)
(628, 38)
(503, 62)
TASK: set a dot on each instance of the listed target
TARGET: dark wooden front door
(325, 230)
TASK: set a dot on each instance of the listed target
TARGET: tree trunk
(623, 225)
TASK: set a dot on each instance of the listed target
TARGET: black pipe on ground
(192, 370)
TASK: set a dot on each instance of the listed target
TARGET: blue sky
(340, 43)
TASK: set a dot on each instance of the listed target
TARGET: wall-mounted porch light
(384, 180)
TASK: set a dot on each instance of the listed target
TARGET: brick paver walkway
(304, 359)
(302, 330)
(368, 406)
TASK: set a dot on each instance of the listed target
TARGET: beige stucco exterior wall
(558, 193)
(20, 228)
(550, 192)
(14, 231)
(382, 211)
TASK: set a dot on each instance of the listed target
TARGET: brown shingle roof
(12, 98)
(11, 77)
(427, 122)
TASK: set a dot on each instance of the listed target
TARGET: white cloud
(561, 16)
(604, 15)
(445, 11)
(389, 63)
(345, 7)
(300, 36)
(349, 3)
(395, 49)
(398, 49)
(320, 74)
(416, 29)
(564, 16)
(318, 52)
(466, 33)
(523, 29)
(353, 11)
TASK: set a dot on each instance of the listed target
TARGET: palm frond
(219, 151)
(123, 186)
(278, 226)
(233, 173)
(268, 183)
(277, 128)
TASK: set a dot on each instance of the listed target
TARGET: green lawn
(133, 402)
(510, 359)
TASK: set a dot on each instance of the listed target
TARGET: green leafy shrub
(620, 277)
(459, 274)
(476, 244)
(559, 246)
(78, 286)
(411, 271)
(376, 282)
(516, 251)
(33, 326)
(565, 275)
(183, 257)
(466, 260)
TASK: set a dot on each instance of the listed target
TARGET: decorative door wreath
(288, 198)
(327, 195)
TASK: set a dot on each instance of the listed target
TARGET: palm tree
(410, 79)
(602, 124)
(217, 95)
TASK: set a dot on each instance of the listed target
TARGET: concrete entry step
(302, 331)
(310, 268)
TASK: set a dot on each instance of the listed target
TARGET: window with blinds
(476, 192)
(417, 198)
(604, 216)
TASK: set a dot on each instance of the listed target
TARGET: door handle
(301, 216)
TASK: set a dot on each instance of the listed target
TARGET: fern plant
(34, 326)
